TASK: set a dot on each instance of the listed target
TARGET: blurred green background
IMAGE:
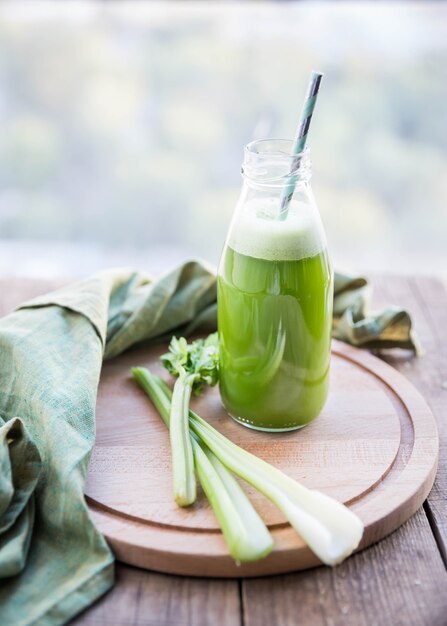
(123, 126)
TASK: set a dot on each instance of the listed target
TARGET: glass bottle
(275, 290)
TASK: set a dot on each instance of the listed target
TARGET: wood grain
(142, 598)
(426, 298)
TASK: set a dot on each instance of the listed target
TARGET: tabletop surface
(401, 580)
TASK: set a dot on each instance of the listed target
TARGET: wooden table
(400, 581)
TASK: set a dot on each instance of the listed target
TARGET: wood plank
(433, 296)
(426, 299)
(141, 598)
(399, 581)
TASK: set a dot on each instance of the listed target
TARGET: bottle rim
(260, 147)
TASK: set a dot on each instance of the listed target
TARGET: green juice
(275, 320)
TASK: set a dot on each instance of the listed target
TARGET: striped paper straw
(300, 139)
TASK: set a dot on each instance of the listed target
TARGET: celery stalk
(195, 365)
(183, 478)
(247, 536)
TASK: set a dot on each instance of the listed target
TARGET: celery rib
(247, 536)
(245, 533)
(183, 477)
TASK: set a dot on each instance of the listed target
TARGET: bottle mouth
(270, 162)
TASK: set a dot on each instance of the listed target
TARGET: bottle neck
(269, 166)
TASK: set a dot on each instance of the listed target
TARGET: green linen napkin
(53, 561)
(352, 323)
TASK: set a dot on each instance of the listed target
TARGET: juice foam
(256, 232)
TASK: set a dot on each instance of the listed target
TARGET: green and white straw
(300, 140)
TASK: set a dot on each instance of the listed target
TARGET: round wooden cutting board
(374, 447)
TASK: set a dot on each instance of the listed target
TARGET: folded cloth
(53, 561)
(352, 323)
